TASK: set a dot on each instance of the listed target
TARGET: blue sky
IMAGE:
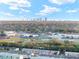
(52, 9)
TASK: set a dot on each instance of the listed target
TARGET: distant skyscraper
(45, 19)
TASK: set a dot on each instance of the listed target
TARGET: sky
(50, 9)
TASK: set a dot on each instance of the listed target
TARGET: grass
(11, 40)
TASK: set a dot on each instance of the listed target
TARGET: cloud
(15, 4)
(6, 14)
(24, 10)
(48, 10)
(72, 11)
(13, 8)
(60, 2)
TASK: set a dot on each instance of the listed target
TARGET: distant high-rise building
(45, 19)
